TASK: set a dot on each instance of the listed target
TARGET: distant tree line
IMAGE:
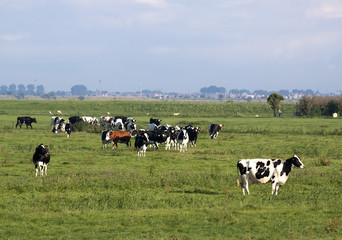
(319, 106)
(21, 89)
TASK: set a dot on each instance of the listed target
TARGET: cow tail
(237, 179)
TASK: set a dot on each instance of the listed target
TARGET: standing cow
(266, 170)
(25, 120)
(121, 137)
(214, 130)
(140, 144)
(182, 140)
(105, 138)
(41, 159)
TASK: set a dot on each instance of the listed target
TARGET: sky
(172, 46)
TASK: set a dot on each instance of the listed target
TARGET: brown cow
(121, 137)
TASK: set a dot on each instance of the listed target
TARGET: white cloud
(11, 37)
(154, 3)
(329, 9)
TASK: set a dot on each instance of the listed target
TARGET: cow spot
(262, 172)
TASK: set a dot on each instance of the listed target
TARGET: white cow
(266, 170)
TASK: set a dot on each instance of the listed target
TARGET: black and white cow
(182, 140)
(214, 130)
(155, 121)
(140, 144)
(68, 128)
(63, 126)
(266, 170)
(91, 120)
(193, 134)
(41, 159)
(25, 120)
(130, 126)
(55, 121)
(105, 138)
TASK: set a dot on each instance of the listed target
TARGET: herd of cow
(121, 129)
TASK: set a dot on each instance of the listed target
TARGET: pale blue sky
(180, 45)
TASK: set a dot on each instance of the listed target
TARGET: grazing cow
(75, 119)
(265, 170)
(121, 137)
(55, 121)
(63, 126)
(90, 120)
(41, 158)
(140, 144)
(25, 120)
(214, 130)
(182, 140)
(105, 138)
(155, 121)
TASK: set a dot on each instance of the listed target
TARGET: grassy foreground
(91, 193)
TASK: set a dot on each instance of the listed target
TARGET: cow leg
(274, 185)
(45, 166)
(244, 184)
(36, 166)
(41, 167)
(277, 188)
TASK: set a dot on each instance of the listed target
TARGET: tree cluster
(212, 90)
(319, 106)
(22, 90)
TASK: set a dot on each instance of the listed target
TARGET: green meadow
(91, 193)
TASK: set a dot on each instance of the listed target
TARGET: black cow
(214, 130)
(41, 158)
(155, 121)
(75, 119)
(25, 120)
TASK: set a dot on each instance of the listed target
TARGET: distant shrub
(317, 106)
(86, 127)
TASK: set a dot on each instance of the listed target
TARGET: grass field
(91, 193)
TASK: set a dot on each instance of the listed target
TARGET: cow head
(34, 120)
(297, 162)
(41, 149)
